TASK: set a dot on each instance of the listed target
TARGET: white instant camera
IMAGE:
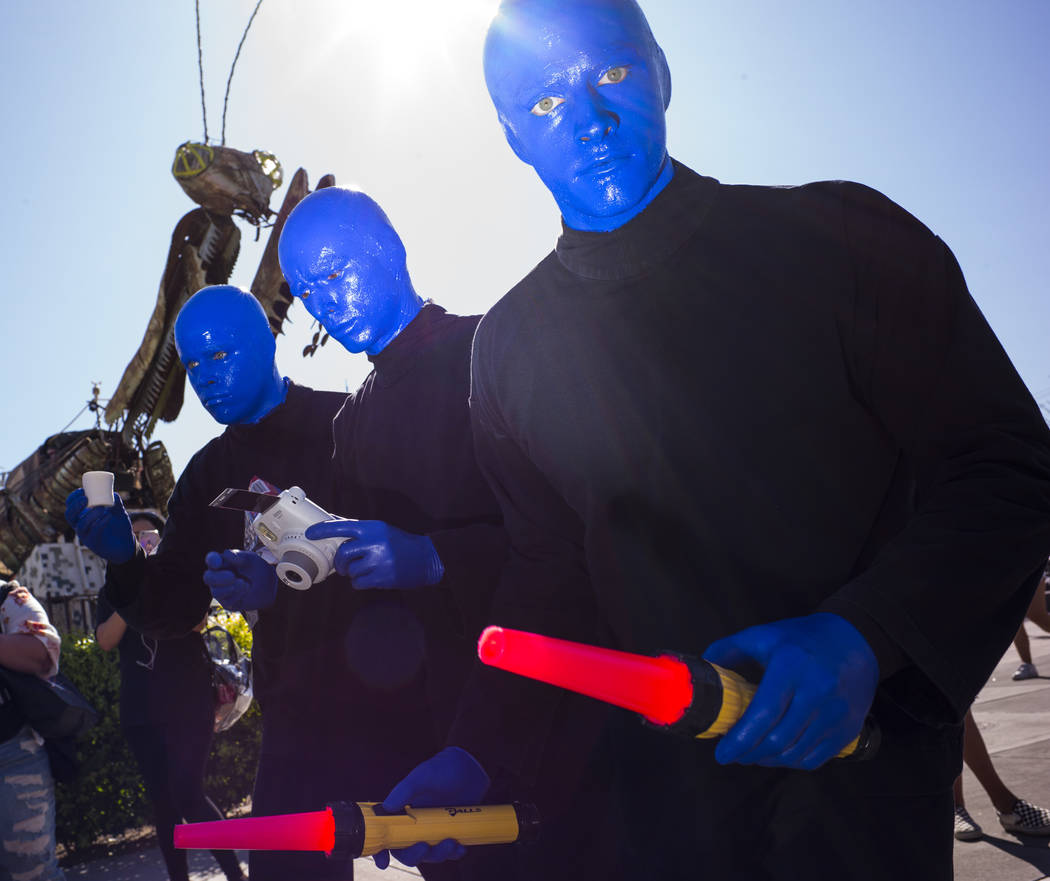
(280, 524)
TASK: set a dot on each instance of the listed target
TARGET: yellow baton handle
(736, 695)
(470, 825)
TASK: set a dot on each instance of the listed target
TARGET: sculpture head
(225, 343)
(344, 260)
(581, 88)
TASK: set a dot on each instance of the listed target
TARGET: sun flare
(408, 35)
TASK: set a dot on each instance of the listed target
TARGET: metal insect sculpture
(225, 183)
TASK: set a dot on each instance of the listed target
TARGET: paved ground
(1014, 718)
(147, 865)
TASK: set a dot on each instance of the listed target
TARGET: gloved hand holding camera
(378, 555)
(241, 581)
(308, 543)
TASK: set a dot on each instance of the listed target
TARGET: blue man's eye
(304, 294)
(614, 75)
(545, 105)
(190, 365)
(334, 275)
(218, 356)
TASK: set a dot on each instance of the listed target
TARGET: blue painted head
(345, 261)
(580, 88)
(225, 343)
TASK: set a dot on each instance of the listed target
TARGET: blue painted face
(225, 343)
(341, 256)
(581, 87)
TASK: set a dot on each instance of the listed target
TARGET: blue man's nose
(595, 120)
(328, 297)
(203, 374)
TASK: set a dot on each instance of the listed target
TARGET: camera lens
(297, 570)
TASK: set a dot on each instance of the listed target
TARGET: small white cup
(149, 539)
(98, 487)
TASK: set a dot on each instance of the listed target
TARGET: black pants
(171, 759)
(890, 817)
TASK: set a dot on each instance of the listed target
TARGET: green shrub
(238, 627)
(108, 796)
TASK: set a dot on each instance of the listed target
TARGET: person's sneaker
(965, 827)
(1026, 671)
(1026, 819)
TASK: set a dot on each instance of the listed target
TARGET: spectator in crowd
(29, 643)
(1015, 814)
(167, 716)
(1037, 613)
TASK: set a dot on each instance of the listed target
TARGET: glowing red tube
(309, 831)
(661, 688)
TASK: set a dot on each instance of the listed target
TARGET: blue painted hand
(241, 581)
(378, 555)
(105, 530)
(819, 682)
(452, 777)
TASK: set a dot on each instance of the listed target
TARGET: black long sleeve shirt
(162, 682)
(297, 645)
(746, 404)
(404, 454)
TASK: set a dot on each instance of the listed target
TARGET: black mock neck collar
(282, 420)
(401, 353)
(646, 240)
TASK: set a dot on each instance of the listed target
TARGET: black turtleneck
(747, 404)
(164, 596)
(404, 454)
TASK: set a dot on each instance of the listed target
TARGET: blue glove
(106, 531)
(378, 555)
(819, 682)
(240, 580)
(453, 777)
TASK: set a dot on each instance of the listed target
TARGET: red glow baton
(681, 693)
(353, 829)
(310, 831)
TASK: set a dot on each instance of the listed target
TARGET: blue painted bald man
(425, 543)
(764, 424)
(281, 432)
(404, 460)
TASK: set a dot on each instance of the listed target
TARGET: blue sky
(941, 105)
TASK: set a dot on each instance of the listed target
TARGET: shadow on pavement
(144, 865)
(1029, 848)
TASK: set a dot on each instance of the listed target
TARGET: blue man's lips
(343, 330)
(604, 164)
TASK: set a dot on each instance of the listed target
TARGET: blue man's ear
(512, 138)
(663, 73)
